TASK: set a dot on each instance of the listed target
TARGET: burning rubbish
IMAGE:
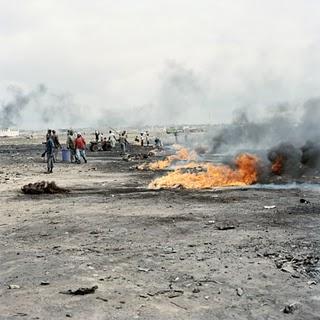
(285, 158)
(294, 161)
(43, 187)
(277, 165)
(182, 155)
(245, 173)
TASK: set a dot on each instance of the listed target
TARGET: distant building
(9, 133)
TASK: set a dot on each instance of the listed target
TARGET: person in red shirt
(80, 146)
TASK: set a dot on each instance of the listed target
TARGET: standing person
(112, 139)
(147, 138)
(125, 134)
(158, 143)
(176, 136)
(57, 145)
(123, 142)
(70, 145)
(49, 152)
(141, 137)
(97, 135)
(80, 145)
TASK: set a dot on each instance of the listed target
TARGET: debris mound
(43, 187)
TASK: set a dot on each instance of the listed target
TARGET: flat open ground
(154, 254)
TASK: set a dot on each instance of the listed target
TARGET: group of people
(76, 146)
(144, 139)
(110, 142)
(106, 143)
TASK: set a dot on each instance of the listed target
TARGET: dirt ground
(154, 254)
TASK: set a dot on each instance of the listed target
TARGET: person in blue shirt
(49, 152)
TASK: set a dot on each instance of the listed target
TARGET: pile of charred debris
(43, 187)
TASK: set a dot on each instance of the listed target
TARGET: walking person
(49, 152)
(48, 134)
(80, 146)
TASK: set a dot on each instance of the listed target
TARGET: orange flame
(277, 165)
(246, 173)
(182, 154)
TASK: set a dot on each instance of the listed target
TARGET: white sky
(198, 60)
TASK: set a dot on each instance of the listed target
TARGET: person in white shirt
(112, 139)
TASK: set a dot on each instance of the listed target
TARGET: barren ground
(152, 254)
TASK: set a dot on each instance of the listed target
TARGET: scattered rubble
(298, 265)
(239, 292)
(225, 226)
(291, 308)
(102, 299)
(13, 286)
(269, 207)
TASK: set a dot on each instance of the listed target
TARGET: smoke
(285, 123)
(288, 137)
(286, 159)
(311, 154)
(10, 112)
(39, 108)
(309, 126)
(182, 97)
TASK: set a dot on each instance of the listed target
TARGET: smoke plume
(39, 107)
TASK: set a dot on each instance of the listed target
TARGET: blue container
(66, 156)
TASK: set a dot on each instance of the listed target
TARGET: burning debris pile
(182, 155)
(43, 187)
(245, 173)
(293, 161)
(246, 169)
(285, 158)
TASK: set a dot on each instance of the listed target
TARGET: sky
(156, 62)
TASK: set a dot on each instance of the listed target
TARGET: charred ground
(154, 254)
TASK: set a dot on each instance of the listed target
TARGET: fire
(277, 165)
(245, 173)
(181, 155)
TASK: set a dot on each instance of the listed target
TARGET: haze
(146, 62)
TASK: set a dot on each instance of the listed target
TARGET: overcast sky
(184, 60)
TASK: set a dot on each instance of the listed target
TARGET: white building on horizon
(8, 133)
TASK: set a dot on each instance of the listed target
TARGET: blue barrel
(66, 155)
